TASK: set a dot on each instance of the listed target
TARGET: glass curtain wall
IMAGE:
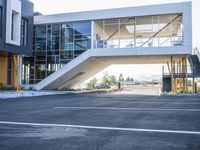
(28, 70)
(146, 31)
(24, 30)
(55, 45)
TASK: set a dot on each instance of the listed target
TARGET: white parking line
(100, 128)
(148, 102)
(132, 109)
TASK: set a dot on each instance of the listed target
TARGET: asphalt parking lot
(100, 122)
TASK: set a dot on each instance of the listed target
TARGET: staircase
(94, 60)
(195, 62)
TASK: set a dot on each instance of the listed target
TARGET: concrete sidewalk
(14, 94)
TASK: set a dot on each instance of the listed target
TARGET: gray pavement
(15, 94)
(140, 91)
(100, 121)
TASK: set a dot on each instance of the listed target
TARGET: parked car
(103, 86)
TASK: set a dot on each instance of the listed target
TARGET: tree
(121, 78)
(92, 84)
(109, 79)
(128, 79)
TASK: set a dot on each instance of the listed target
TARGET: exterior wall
(187, 24)
(174, 8)
(27, 13)
(13, 22)
(11, 48)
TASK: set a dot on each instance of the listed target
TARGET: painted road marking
(147, 102)
(132, 109)
(100, 127)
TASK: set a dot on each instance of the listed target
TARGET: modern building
(71, 47)
(16, 39)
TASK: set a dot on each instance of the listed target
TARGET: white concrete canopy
(95, 60)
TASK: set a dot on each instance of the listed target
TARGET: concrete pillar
(193, 85)
(172, 75)
(186, 78)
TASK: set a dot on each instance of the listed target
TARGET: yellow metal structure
(15, 72)
(178, 69)
(3, 69)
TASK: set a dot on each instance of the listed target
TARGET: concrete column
(20, 69)
(92, 35)
(172, 75)
(183, 71)
(193, 85)
(186, 78)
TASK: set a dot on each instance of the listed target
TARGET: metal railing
(196, 52)
(181, 70)
(140, 42)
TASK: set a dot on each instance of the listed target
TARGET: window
(77, 53)
(66, 55)
(10, 68)
(40, 68)
(49, 39)
(40, 37)
(55, 30)
(83, 44)
(24, 30)
(57, 44)
(40, 43)
(28, 70)
(40, 30)
(15, 27)
(40, 56)
(55, 36)
(52, 64)
(67, 37)
(12, 26)
(83, 27)
(144, 31)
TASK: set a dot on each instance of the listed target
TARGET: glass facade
(146, 31)
(24, 31)
(28, 69)
(54, 46)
